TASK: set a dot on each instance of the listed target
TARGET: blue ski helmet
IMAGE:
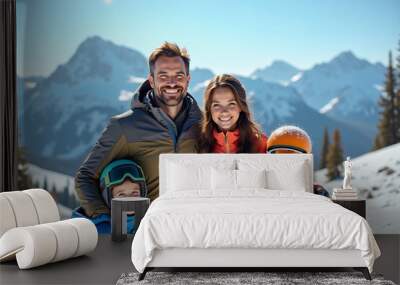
(116, 172)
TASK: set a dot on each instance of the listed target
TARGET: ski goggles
(285, 149)
(116, 174)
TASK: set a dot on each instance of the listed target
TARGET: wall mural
(67, 95)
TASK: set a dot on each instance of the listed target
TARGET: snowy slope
(278, 72)
(53, 179)
(56, 182)
(376, 177)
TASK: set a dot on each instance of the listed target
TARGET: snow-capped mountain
(199, 76)
(24, 85)
(199, 80)
(65, 113)
(346, 88)
(279, 72)
(376, 178)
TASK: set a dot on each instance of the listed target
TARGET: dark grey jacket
(139, 134)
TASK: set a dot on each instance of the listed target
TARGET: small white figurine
(347, 174)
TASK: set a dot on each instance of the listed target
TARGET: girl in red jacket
(227, 126)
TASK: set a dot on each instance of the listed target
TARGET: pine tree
(65, 197)
(24, 180)
(397, 100)
(387, 127)
(334, 157)
(45, 186)
(66, 183)
(325, 148)
(69, 198)
(36, 184)
(53, 188)
(377, 143)
(54, 194)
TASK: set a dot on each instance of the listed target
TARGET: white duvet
(252, 218)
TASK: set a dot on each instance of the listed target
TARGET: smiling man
(163, 118)
(169, 79)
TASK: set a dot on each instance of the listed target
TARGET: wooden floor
(389, 262)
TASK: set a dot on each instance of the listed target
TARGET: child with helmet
(292, 139)
(120, 178)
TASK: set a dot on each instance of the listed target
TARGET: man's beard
(170, 100)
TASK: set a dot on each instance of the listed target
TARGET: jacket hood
(140, 94)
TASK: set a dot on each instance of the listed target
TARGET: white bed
(247, 210)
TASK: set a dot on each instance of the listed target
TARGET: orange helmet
(289, 139)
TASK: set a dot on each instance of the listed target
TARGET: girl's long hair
(249, 131)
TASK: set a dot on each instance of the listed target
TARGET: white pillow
(195, 174)
(284, 172)
(293, 180)
(223, 179)
(228, 179)
(251, 178)
(182, 177)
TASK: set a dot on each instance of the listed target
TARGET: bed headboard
(269, 161)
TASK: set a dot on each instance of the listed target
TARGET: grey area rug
(225, 278)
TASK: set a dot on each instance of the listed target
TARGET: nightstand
(357, 206)
(120, 207)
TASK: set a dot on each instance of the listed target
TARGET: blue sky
(225, 36)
